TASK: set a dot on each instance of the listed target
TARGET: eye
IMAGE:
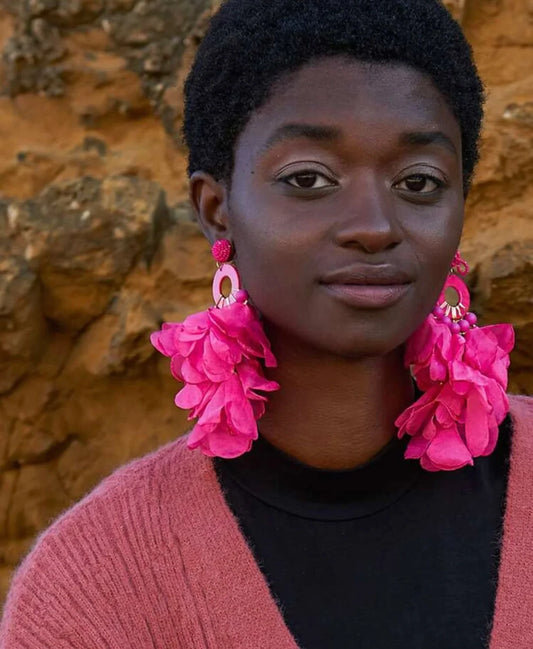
(308, 180)
(420, 184)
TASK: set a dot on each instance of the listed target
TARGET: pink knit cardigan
(153, 558)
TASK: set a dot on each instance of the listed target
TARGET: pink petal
(448, 452)
(189, 397)
(214, 367)
(494, 433)
(196, 325)
(250, 374)
(241, 322)
(430, 430)
(239, 412)
(428, 465)
(225, 444)
(225, 348)
(416, 448)
(421, 343)
(476, 424)
(189, 370)
(437, 370)
(196, 437)
(213, 411)
(165, 340)
(259, 408)
(414, 418)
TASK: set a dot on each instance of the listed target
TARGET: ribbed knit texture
(153, 558)
(513, 619)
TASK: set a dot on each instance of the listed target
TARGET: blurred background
(98, 245)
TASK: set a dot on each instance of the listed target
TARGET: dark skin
(350, 170)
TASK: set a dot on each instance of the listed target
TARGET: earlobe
(209, 201)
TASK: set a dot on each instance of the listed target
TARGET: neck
(334, 412)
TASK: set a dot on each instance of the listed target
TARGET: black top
(384, 556)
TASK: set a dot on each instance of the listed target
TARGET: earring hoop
(226, 272)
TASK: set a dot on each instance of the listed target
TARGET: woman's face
(346, 205)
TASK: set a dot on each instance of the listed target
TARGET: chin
(366, 349)
(361, 332)
(360, 335)
(360, 344)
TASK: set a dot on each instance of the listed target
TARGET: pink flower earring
(218, 355)
(454, 301)
(462, 370)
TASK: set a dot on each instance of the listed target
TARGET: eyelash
(311, 172)
(438, 182)
(307, 172)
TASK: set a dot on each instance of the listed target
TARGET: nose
(368, 222)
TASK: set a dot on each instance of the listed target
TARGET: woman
(332, 144)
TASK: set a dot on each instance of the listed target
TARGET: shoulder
(521, 406)
(521, 476)
(121, 526)
(134, 489)
(521, 410)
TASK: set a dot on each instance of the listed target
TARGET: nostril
(372, 229)
(370, 242)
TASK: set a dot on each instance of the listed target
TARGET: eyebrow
(417, 138)
(331, 133)
(309, 131)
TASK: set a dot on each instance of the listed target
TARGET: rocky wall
(97, 244)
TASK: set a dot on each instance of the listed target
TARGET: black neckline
(283, 482)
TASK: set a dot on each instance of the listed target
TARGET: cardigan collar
(229, 583)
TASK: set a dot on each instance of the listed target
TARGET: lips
(370, 287)
(384, 275)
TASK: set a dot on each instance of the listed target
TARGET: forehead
(367, 99)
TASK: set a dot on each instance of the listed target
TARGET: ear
(209, 201)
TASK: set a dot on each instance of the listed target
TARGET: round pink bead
(221, 251)
(471, 318)
(455, 328)
(241, 296)
(438, 312)
(464, 324)
(446, 320)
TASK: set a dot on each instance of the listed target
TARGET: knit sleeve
(109, 571)
(121, 568)
(44, 607)
(70, 592)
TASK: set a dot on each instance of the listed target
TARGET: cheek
(276, 252)
(436, 241)
(271, 258)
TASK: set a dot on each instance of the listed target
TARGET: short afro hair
(251, 44)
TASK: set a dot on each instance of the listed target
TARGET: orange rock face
(97, 245)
